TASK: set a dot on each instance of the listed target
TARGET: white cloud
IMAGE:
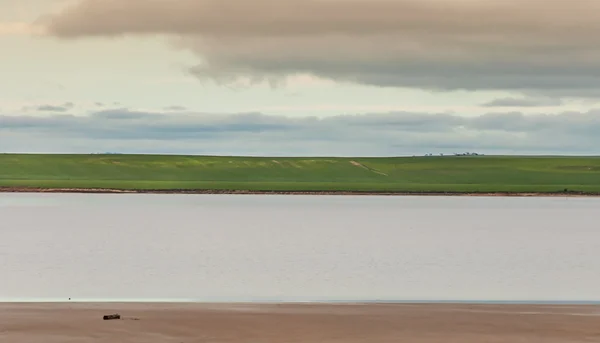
(19, 28)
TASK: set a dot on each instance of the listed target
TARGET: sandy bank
(242, 192)
(150, 323)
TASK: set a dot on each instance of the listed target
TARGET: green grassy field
(402, 174)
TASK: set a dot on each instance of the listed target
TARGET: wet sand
(324, 323)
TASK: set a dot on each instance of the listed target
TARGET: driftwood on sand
(112, 316)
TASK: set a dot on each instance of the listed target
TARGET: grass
(398, 174)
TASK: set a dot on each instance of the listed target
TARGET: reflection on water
(265, 247)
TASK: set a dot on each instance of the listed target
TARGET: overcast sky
(300, 77)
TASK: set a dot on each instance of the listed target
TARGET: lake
(119, 247)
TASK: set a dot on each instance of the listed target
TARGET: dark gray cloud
(124, 113)
(395, 133)
(55, 108)
(523, 45)
(524, 102)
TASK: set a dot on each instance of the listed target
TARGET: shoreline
(274, 192)
(316, 303)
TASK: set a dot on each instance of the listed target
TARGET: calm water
(244, 248)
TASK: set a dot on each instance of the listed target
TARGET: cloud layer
(523, 102)
(17, 28)
(55, 108)
(398, 133)
(523, 45)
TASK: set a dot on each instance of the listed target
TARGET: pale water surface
(290, 248)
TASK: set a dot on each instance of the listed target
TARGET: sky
(300, 77)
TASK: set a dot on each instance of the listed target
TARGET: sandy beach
(326, 323)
